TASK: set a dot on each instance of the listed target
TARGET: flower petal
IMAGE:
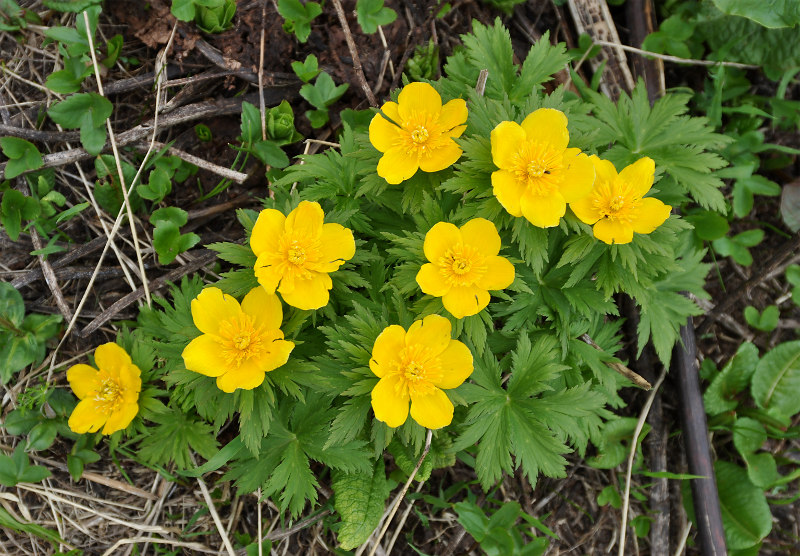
(506, 139)
(267, 231)
(268, 272)
(456, 364)
(398, 164)
(383, 134)
(432, 332)
(277, 356)
(308, 294)
(578, 177)
(585, 209)
(465, 301)
(390, 401)
(387, 346)
(432, 411)
(547, 125)
(336, 247)
(543, 211)
(508, 191)
(111, 358)
(441, 237)
(639, 176)
(212, 307)
(120, 419)
(83, 380)
(611, 231)
(482, 235)
(431, 281)
(605, 170)
(443, 155)
(306, 220)
(130, 382)
(204, 355)
(651, 214)
(416, 98)
(247, 376)
(453, 114)
(85, 417)
(265, 308)
(499, 274)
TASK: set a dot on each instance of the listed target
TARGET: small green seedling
(18, 469)
(306, 70)
(23, 338)
(108, 190)
(203, 132)
(737, 246)
(87, 111)
(372, 13)
(298, 17)
(167, 238)
(793, 277)
(23, 156)
(166, 169)
(498, 534)
(210, 16)
(766, 321)
(321, 95)
(14, 18)
(671, 38)
(424, 64)
(280, 131)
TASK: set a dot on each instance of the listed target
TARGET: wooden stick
(351, 45)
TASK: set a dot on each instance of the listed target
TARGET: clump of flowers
(538, 175)
(297, 252)
(616, 205)
(418, 133)
(109, 395)
(464, 265)
(416, 366)
(240, 343)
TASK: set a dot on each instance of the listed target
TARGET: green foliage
(14, 18)
(360, 499)
(23, 338)
(74, 6)
(173, 438)
(745, 512)
(279, 122)
(321, 95)
(766, 321)
(306, 70)
(168, 241)
(80, 455)
(498, 533)
(793, 277)
(670, 38)
(298, 17)
(17, 469)
(424, 64)
(87, 111)
(737, 247)
(372, 13)
(165, 170)
(23, 156)
(211, 16)
(14, 208)
(775, 14)
(613, 443)
(720, 396)
(776, 381)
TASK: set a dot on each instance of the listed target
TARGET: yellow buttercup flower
(616, 205)
(240, 343)
(538, 174)
(109, 395)
(420, 133)
(297, 252)
(416, 366)
(464, 265)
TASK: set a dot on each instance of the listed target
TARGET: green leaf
(87, 111)
(175, 435)
(23, 156)
(306, 70)
(372, 13)
(609, 495)
(12, 307)
(324, 92)
(15, 208)
(167, 239)
(790, 206)
(745, 512)
(10, 523)
(766, 321)
(270, 154)
(776, 381)
(708, 225)
(20, 421)
(770, 13)
(298, 17)
(42, 435)
(360, 499)
(733, 379)
(16, 353)
(73, 6)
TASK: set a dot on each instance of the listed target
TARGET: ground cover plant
(396, 301)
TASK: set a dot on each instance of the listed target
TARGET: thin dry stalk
(215, 516)
(675, 59)
(634, 441)
(351, 45)
(157, 540)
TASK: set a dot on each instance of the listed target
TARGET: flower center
(418, 371)
(414, 372)
(462, 265)
(241, 339)
(539, 167)
(536, 169)
(419, 135)
(296, 254)
(109, 396)
(617, 203)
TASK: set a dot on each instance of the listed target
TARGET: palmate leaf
(298, 434)
(174, 438)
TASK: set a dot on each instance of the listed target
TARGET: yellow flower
(464, 265)
(538, 174)
(296, 253)
(420, 133)
(109, 395)
(416, 366)
(240, 343)
(615, 205)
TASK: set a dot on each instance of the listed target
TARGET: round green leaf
(745, 512)
(12, 307)
(748, 435)
(776, 381)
